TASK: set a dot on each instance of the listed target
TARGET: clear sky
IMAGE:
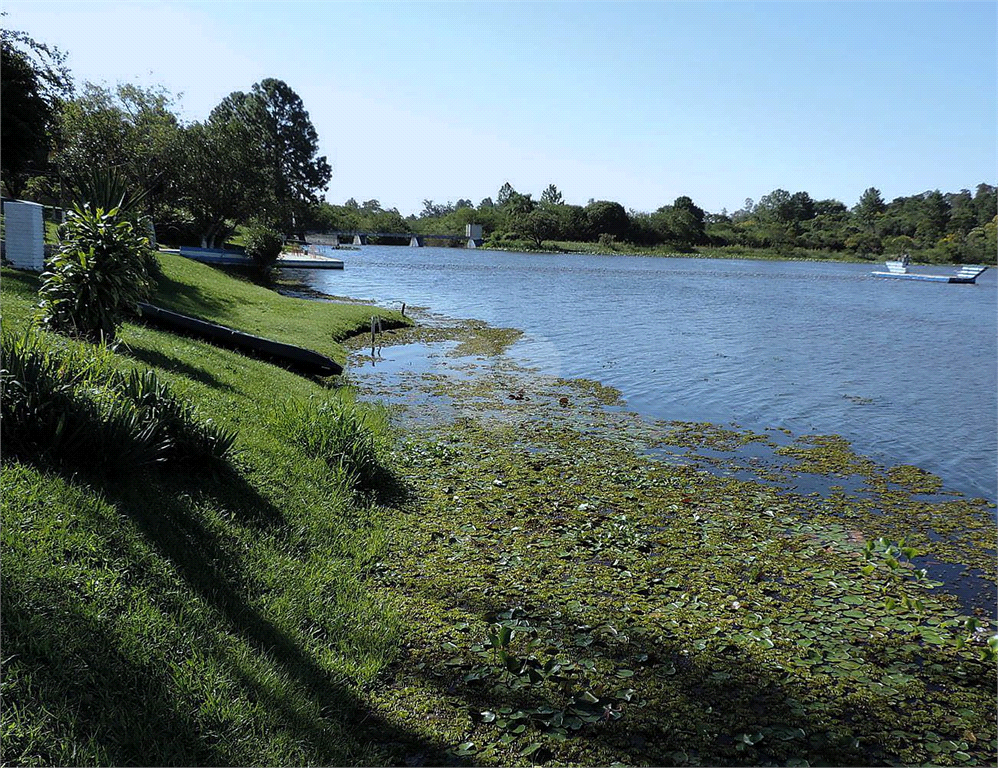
(637, 102)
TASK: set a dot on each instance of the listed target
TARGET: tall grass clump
(71, 409)
(351, 438)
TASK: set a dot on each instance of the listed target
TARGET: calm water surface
(907, 371)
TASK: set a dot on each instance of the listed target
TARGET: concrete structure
(472, 237)
(24, 238)
(474, 234)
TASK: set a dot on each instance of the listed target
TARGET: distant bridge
(471, 239)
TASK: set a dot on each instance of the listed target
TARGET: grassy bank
(535, 579)
(199, 615)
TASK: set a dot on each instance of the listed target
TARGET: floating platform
(220, 257)
(967, 274)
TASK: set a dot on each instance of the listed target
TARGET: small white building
(24, 234)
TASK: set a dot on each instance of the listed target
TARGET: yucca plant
(108, 189)
(97, 277)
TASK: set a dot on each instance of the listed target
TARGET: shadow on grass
(84, 670)
(344, 723)
(188, 299)
(158, 359)
(108, 707)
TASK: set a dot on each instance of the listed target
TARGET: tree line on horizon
(933, 226)
(255, 160)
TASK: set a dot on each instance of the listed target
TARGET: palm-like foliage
(97, 277)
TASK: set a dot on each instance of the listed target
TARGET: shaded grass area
(166, 617)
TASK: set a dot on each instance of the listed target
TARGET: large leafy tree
(220, 176)
(130, 128)
(605, 217)
(33, 82)
(289, 145)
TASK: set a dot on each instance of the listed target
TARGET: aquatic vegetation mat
(581, 587)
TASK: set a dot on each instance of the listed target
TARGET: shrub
(73, 410)
(263, 246)
(97, 277)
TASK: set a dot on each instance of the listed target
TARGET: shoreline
(548, 510)
(539, 575)
(822, 465)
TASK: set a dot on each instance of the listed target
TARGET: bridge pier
(360, 239)
(416, 241)
(473, 243)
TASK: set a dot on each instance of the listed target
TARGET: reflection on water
(905, 370)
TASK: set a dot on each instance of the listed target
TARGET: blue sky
(637, 102)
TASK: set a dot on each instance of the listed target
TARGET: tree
(604, 217)
(552, 195)
(130, 128)
(33, 82)
(289, 143)
(506, 191)
(539, 224)
(870, 206)
(986, 203)
(221, 175)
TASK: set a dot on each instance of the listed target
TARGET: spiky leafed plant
(108, 189)
(97, 277)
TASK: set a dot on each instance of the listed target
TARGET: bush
(97, 277)
(263, 246)
(72, 410)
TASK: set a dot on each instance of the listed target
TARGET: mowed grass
(216, 617)
(209, 293)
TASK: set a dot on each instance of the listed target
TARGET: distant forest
(953, 227)
(255, 160)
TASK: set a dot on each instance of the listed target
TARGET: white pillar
(24, 236)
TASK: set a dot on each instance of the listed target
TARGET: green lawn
(178, 618)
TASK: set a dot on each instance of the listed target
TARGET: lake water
(906, 370)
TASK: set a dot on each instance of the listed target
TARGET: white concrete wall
(24, 238)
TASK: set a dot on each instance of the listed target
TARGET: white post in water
(24, 234)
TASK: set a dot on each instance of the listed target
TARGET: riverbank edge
(213, 369)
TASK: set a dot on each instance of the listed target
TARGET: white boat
(968, 273)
